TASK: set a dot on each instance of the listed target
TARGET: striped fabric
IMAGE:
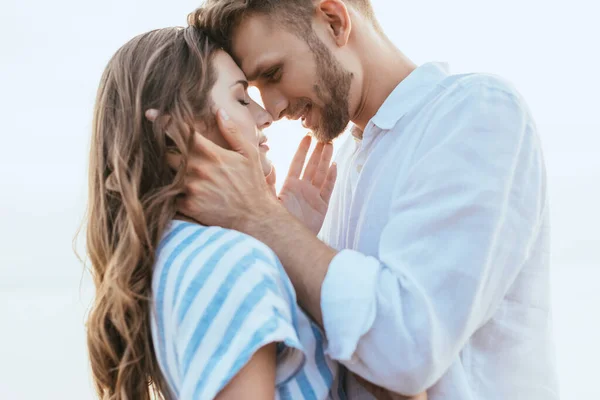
(219, 296)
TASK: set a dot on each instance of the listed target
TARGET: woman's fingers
(313, 163)
(324, 164)
(329, 184)
(299, 158)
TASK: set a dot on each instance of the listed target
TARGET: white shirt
(441, 216)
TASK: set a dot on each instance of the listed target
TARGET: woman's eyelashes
(244, 99)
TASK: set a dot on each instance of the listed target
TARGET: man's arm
(305, 258)
(461, 227)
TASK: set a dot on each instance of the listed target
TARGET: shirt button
(359, 168)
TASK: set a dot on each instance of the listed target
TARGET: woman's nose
(263, 118)
(267, 121)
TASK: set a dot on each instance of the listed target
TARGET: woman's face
(230, 93)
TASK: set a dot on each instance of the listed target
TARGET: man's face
(299, 78)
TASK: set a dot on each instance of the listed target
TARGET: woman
(182, 310)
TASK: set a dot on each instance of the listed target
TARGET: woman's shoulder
(219, 296)
(182, 238)
(194, 258)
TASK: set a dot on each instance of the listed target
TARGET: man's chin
(328, 131)
(325, 135)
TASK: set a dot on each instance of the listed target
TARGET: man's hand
(229, 189)
(383, 394)
(223, 187)
(307, 198)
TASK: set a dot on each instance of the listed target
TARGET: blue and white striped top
(219, 296)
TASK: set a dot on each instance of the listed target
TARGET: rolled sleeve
(348, 302)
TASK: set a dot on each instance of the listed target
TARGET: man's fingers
(174, 160)
(271, 181)
(299, 158)
(184, 206)
(232, 134)
(205, 147)
(313, 163)
(329, 184)
(151, 114)
(324, 164)
(154, 116)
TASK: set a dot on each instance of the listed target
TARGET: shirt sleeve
(462, 226)
(223, 317)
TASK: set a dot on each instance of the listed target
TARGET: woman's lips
(264, 147)
(262, 143)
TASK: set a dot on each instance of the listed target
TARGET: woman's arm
(256, 380)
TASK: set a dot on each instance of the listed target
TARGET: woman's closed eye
(244, 98)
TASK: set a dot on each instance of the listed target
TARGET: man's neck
(384, 68)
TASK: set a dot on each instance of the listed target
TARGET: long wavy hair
(132, 192)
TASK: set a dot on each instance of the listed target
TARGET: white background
(53, 53)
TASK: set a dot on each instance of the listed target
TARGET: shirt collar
(408, 93)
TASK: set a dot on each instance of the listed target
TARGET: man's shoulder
(477, 84)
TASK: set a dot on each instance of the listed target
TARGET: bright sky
(53, 54)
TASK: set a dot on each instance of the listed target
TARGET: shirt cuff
(348, 302)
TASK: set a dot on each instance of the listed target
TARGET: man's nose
(275, 103)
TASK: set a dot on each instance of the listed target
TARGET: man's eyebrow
(254, 75)
(258, 71)
(242, 82)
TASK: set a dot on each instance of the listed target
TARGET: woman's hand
(307, 197)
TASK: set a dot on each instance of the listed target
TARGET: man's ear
(336, 14)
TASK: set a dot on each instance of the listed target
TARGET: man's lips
(302, 114)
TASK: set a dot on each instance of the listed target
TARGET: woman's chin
(267, 166)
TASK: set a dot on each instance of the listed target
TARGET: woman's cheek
(248, 129)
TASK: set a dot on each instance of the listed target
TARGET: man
(435, 274)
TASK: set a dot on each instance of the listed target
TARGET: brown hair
(222, 17)
(132, 195)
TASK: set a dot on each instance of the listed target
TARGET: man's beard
(333, 90)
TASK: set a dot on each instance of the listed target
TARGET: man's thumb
(231, 133)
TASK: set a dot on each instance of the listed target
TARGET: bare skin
(255, 380)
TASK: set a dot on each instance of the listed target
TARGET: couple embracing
(415, 266)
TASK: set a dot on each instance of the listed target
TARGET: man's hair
(221, 17)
